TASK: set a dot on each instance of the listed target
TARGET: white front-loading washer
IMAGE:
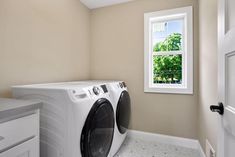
(122, 108)
(77, 120)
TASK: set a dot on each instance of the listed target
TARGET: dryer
(122, 108)
(77, 119)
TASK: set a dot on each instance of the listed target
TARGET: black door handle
(219, 108)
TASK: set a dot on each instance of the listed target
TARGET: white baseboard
(179, 141)
(201, 152)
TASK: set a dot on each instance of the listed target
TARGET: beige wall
(208, 71)
(43, 41)
(117, 52)
(48, 41)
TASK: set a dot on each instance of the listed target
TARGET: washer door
(123, 112)
(97, 133)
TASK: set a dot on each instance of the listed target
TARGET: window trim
(187, 52)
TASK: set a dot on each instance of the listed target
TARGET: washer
(77, 119)
(122, 108)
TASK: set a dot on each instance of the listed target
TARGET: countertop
(13, 107)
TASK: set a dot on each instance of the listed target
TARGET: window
(169, 51)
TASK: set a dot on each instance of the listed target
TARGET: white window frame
(186, 87)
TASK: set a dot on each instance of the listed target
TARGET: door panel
(226, 77)
(229, 14)
(229, 144)
(228, 120)
(230, 79)
(97, 133)
(123, 112)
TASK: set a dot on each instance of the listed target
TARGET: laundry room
(117, 78)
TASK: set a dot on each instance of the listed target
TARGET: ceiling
(92, 4)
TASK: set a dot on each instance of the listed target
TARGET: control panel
(91, 91)
(122, 85)
(98, 90)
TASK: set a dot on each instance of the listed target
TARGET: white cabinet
(29, 148)
(20, 137)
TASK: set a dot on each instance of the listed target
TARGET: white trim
(201, 152)
(93, 4)
(168, 53)
(222, 32)
(179, 141)
(187, 56)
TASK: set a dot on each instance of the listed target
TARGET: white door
(226, 59)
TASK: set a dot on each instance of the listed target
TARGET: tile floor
(134, 147)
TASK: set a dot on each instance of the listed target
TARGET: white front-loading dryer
(77, 120)
(121, 99)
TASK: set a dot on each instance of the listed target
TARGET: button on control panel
(124, 84)
(121, 85)
(96, 90)
(104, 88)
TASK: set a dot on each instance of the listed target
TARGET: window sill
(187, 91)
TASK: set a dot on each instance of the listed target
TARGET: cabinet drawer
(29, 148)
(16, 131)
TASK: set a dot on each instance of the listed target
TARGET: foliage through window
(167, 69)
(168, 51)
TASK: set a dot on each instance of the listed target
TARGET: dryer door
(97, 133)
(123, 112)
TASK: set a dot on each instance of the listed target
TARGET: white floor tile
(134, 147)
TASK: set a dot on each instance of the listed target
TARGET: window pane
(167, 36)
(167, 69)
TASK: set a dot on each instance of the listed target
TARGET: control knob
(96, 90)
(121, 85)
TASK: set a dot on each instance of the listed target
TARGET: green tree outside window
(168, 68)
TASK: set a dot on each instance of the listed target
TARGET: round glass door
(97, 133)
(123, 112)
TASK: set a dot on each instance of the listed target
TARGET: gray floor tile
(134, 147)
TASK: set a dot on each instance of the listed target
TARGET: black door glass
(97, 134)
(123, 112)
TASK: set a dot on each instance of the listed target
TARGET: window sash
(163, 85)
(183, 44)
(169, 17)
(165, 53)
